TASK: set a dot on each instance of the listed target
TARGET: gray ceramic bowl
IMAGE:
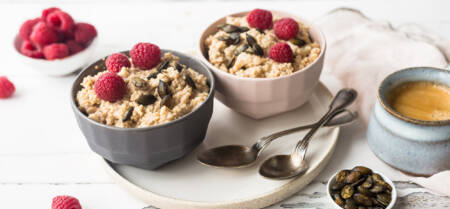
(148, 147)
(414, 146)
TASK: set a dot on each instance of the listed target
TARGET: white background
(42, 151)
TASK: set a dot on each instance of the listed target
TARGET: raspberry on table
(43, 35)
(48, 11)
(7, 88)
(27, 27)
(60, 21)
(74, 47)
(145, 55)
(56, 51)
(65, 202)
(116, 61)
(281, 52)
(286, 28)
(84, 33)
(30, 50)
(110, 87)
(260, 18)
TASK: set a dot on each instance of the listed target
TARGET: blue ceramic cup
(414, 146)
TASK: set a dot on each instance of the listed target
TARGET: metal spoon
(241, 156)
(288, 166)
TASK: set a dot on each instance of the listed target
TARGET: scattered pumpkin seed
(240, 49)
(163, 65)
(189, 81)
(146, 99)
(232, 28)
(231, 63)
(139, 83)
(128, 114)
(250, 40)
(179, 67)
(165, 100)
(153, 75)
(298, 42)
(163, 89)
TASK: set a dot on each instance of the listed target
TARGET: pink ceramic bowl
(264, 97)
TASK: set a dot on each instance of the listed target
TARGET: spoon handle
(342, 99)
(343, 117)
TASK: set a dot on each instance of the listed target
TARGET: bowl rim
(163, 125)
(90, 46)
(276, 12)
(396, 114)
(385, 178)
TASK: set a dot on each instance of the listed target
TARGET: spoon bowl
(228, 156)
(282, 167)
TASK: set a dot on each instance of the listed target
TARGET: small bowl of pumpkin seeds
(361, 188)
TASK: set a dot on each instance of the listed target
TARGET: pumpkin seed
(340, 177)
(229, 28)
(384, 199)
(338, 199)
(165, 100)
(350, 204)
(257, 50)
(240, 49)
(334, 185)
(353, 177)
(139, 83)
(250, 40)
(368, 183)
(163, 65)
(243, 29)
(163, 89)
(363, 170)
(128, 114)
(189, 81)
(362, 199)
(347, 191)
(364, 190)
(179, 67)
(153, 75)
(146, 99)
(231, 63)
(298, 42)
(377, 188)
(236, 38)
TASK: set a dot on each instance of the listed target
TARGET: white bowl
(58, 67)
(386, 179)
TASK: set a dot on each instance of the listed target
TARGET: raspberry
(60, 21)
(65, 202)
(30, 50)
(43, 35)
(74, 47)
(145, 55)
(110, 87)
(285, 28)
(48, 11)
(116, 61)
(27, 27)
(84, 33)
(281, 52)
(7, 88)
(260, 18)
(56, 51)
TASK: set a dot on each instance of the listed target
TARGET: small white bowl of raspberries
(54, 43)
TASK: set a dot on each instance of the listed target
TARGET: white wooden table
(42, 151)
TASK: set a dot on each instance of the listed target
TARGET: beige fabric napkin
(362, 52)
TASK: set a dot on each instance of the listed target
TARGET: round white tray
(188, 184)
